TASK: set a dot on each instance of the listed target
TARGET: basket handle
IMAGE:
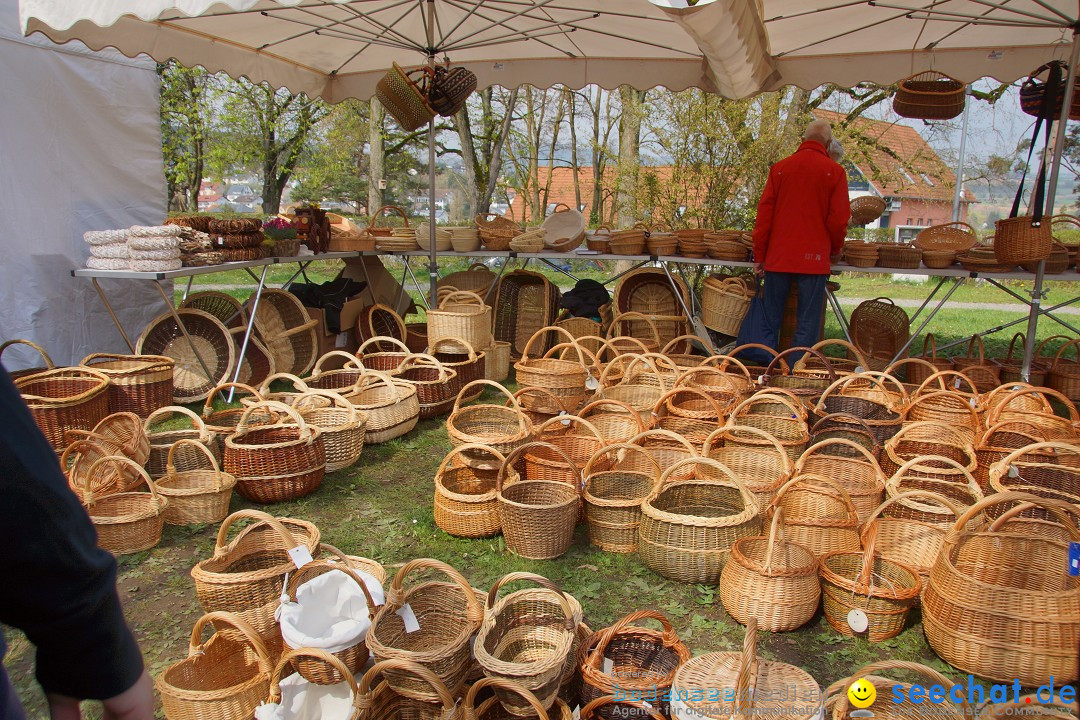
(378, 213)
(1061, 510)
(631, 314)
(572, 419)
(758, 346)
(370, 378)
(838, 690)
(1012, 344)
(722, 433)
(500, 478)
(750, 504)
(196, 421)
(982, 348)
(564, 603)
(170, 466)
(908, 494)
(630, 447)
(665, 434)
(208, 406)
(776, 532)
(1001, 467)
(818, 482)
(434, 347)
(658, 410)
(816, 447)
(221, 542)
(459, 449)
(676, 341)
(860, 357)
(504, 684)
(844, 419)
(350, 359)
(634, 414)
(1001, 407)
(670, 637)
(88, 493)
(894, 482)
(396, 597)
(929, 338)
(562, 348)
(315, 653)
(462, 297)
(807, 351)
(1061, 351)
(364, 699)
(273, 406)
(748, 670)
(535, 390)
(588, 712)
(686, 379)
(939, 377)
(301, 575)
(246, 630)
(511, 399)
(541, 333)
(296, 382)
(772, 395)
(721, 362)
(956, 400)
(307, 402)
(841, 384)
(626, 362)
(423, 359)
(609, 343)
(37, 348)
(379, 339)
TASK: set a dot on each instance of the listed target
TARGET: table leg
(839, 313)
(699, 328)
(416, 284)
(187, 290)
(941, 303)
(112, 314)
(367, 279)
(247, 332)
(558, 269)
(1031, 304)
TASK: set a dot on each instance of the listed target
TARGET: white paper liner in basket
(301, 700)
(330, 612)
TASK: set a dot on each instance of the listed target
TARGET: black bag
(586, 299)
(329, 296)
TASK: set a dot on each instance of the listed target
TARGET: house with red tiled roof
(894, 162)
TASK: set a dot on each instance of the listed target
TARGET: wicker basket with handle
(343, 426)
(755, 456)
(984, 374)
(497, 232)
(1045, 469)
(566, 379)
(493, 709)
(221, 423)
(1064, 374)
(436, 389)
(614, 420)
(818, 514)
(196, 495)
(929, 95)
(126, 522)
(222, 679)
(447, 613)
(494, 426)
(936, 474)
(465, 503)
(999, 604)
(162, 440)
(923, 438)
(1010, 368)
(16, 374)
(467, 362)
(1031, 405)
(613, 493)
(65, 399)
(137, 383)
(910, 707)
(537, 516)
(771, 580)
(851, 466)
(391, 404)
(246, 575)
(302, 661)
(461, 315)
(381, 702)
(117, 434)
(275, 463)
(404, 97)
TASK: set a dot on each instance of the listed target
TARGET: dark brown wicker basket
(929, 95)
(524, 303)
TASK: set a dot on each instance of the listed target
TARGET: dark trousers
(808, 313)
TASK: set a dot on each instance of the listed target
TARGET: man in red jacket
(801, 220)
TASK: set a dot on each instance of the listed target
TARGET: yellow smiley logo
(862, 693)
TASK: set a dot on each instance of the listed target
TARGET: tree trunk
(571, 109)
(595, 212)
(469, 160)
(495, 164)
(629, 154)
(376, 161)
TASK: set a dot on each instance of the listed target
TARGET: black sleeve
(61, 587)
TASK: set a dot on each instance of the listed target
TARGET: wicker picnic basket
(1000, 604)
(722, 685)
(537, 516)
(1032, 406)
(909, 707)
(900, 256)
(497, 232)
(460, 315)
(342, 425)
(380, 359)
(288, 331)
(391, 404)
(524, 303)
(998, 441)
(161, 440)
(278, 462)
(465, 503)
(724, 304)
(1010, 367)
(755, 456)
(866, 209)
(564, 378)
(689, 412)
(126, 522)
(851, 466)
(929, 95)
(637, 662)
(202, 336)
(952, 236)
(382, 702)
(924, 438)
(526, 637)
(222, 679)
(818, 514)
(16, 374)
(947, 408)
(246, 575)
(613, 493)
(1064, 374)
(883, 590)
(196, 495)
(690, 522)
(580, 441)
(879, 329)
(447, 615)
(771, 580)
(137, 383)
(468, 364)
(65, 399)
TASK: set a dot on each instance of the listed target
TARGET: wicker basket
(16, 374)
(577, 438)
(318, 664)
(65, 399)
(1032, 406)
(382, 702)
(379, 320)
(1022, 239)
(985, 375)
(724, 304)
(1010, 368)
(447, 613)
(537, 516)
(465, 504)
(392, 406)
(246, 575)
(899, 255)
(722, 685)
(460, 315)
(883, 590)
(1046, 469)
(784, 424)
(1064, 374)
(649, 291)
(404, 99)
(476, 279)
(222, 423)
(818, 514)
(564, 378)
(493, 426)
(952, 237)
(288, 331)
(771, 581)
(196, 495)
(493, 709)
(467, 364)
(209, 340)
(436, 385)
(565, 228)
(615, 421)
(693, 518)
(117, 434)
(227, 309)
(343, 427)
(526, 637)
(126, 522)
(936, 474)
(910, 707)
(928, 437)
(950, 408)
(524, 303)
(497, 361)
(636, 662)
(999, 604)
(929, 95)
(689, 412)
(137, 383)
(496, 233)
(874, 405)
(851, 466)
(161, 441)
(866, 209)
(275, 463)
(755, 456)
(613, 496)
(380, 359)
(879, 329)
(222, 679)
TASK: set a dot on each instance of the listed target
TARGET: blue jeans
(811, 303)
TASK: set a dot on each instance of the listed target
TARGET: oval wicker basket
(65, 399)
(202, 336)
(162, 440)
(278, 462)
(465, 503)
(196, 495)
(137, 383)
(929, 95)
(343, 427)
(613, 496)
(391, 405)
(126, 522)
(537, 516)
(818, 514)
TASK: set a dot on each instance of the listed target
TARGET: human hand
(135, 703)
(759, 269)
(837, 258)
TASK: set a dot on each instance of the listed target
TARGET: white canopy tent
(336, 49)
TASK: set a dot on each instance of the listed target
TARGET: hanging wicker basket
(400, 92)
(929, 95)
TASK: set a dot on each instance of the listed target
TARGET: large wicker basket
(126, 522)
(288, 331)
(537, 516)
(65, 399)
(202, 336)
(524, 303)
(278, 462)
(137, 383)
(465, 503)
(929, 95)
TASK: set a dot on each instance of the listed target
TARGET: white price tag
(577, 712)
(860, 369)
(956, 383)
(564, 421)
(1017, 387)
(409, 618)
(971, 402)
(857, 620)
(1013, 472)
(608, 666)
(342, 340)
(300, 555)
(761, 379)
(591, 383)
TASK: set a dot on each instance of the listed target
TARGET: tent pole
(433, 263)
(959, 192)
(1051, 191)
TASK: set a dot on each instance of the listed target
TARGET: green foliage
(872, 234)
(185, 114)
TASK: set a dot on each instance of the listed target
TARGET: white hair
(819, 130)
(836, 150)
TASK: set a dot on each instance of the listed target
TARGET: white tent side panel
(80, 150)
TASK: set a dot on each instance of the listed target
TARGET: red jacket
(803, 214)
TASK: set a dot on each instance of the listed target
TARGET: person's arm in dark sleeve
(62, 587)
(763, 224)
(839, 215)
